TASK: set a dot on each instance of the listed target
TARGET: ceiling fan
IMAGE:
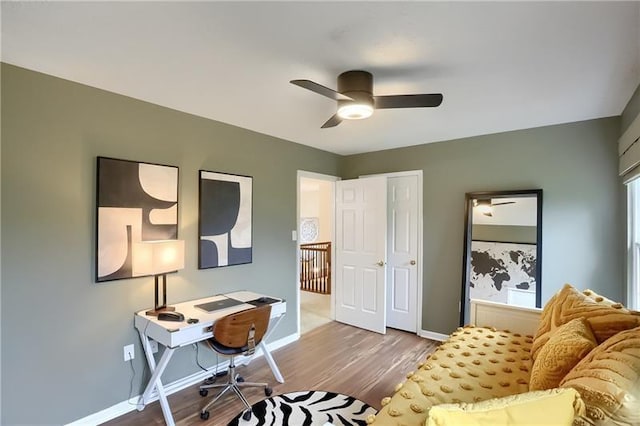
(486, 206)
(356, 100)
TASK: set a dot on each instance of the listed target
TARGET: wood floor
(333, 357)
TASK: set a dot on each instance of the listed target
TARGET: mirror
(502, 249)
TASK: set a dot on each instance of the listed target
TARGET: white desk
(174, 335)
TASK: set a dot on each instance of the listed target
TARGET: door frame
(332, 179)
(419, 255)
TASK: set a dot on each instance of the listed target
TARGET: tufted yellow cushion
(474, 364)
(567, 345)
(549, 407)
(605, 317)
(608, 380)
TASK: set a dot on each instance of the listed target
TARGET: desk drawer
(179, 335)
(187, 335)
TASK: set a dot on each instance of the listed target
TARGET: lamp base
(156, 311)
(160, 307)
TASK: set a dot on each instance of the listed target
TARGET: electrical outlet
(154, 346)
(129, 352)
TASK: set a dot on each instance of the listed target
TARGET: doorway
(315, 236)
(378, 251)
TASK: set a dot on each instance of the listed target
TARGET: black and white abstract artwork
(225, 227)
(135, 202)
(503, 272)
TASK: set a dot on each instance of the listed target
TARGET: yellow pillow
(605, 317)
(608, 380)
(567, 345)
(550, 407)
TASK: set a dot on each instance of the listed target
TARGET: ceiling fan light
(355, 111)
(483, 206)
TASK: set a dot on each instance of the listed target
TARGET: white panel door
(361, 231)
(402, 270)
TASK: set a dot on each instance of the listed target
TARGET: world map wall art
(500, 268)
(135, 202)
(225, 220)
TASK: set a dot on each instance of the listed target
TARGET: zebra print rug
(307, 408)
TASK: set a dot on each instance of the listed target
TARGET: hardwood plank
(334, 357)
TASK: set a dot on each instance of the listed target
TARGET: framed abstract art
(135, 202)
(225, 220)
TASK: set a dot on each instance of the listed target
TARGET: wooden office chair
(237, 334)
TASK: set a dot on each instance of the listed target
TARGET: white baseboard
(125, 407)
(433, 335)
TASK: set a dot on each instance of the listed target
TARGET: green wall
(505, 233)
(583, 227)
(63, 334)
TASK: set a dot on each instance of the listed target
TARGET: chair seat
(226, 350)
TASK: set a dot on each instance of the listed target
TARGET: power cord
(210, 380)
(214, 374)
(133, 369)
(133, 375)
(197, 346)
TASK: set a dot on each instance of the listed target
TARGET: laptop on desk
(217, 305)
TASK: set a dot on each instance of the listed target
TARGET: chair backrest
(233, 331)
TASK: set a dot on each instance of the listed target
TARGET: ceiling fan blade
(332, 122)
(408, 101)
(501, 204)
(321, 90)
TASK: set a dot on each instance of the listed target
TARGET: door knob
(380, 263)
(413, 262)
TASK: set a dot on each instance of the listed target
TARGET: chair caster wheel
(247, 415)
(204, 392)
(268, 391)
(204, 415)
(240, 379)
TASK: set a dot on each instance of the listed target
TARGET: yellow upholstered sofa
(579, 364)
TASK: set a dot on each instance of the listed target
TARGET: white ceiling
(523, 212)
(501, 66)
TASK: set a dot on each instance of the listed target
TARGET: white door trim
(329, 178)
(419, 174)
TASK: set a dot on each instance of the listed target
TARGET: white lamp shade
(157, 257)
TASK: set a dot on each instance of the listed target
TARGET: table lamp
(158, 258)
